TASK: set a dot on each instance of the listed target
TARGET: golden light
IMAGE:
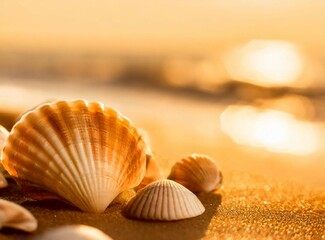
(299, 106)
(267, 63)
(203, 73)
(272, 130)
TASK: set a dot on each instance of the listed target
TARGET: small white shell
(15, 216)
(198, 173)
(3, 136)
(164, 200)
(74, 232)
(78, 151)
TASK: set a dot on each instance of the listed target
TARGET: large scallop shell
(164, 200)
(198, 173)
(3, 136)
(75, 232)
(84, 153)
(13, 215)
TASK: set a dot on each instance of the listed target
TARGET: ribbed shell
(3, 136)
(164, 200)
(198, 173)
(15, 216)
(74, 232)
(81, 152)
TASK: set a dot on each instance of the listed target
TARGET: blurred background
(242, 81)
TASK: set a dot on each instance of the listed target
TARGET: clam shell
(75, 232)
(164, 200)
(15, 216)
(78, 151)
(198, 173)
(3, 136)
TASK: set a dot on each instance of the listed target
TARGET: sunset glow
(268, 63)
(272, 130)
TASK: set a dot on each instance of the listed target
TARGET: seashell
(153, 170)
(198, 173)
(75, 232)
(145, 137)
(164, 200)
(15, 216)
(78, 151)
(3, 136)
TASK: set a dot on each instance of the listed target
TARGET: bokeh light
(265, 62)
(273, 130)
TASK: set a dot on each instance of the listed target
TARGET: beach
(264, 195)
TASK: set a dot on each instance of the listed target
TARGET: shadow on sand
(53, 213)
(189, 229)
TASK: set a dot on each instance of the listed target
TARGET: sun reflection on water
(265, 62)
(272, 130)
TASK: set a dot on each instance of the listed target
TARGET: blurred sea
(204, 109)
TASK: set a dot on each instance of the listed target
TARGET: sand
(247, 206)
(257, 200)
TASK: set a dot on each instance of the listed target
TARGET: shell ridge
(141, 205)
(181, 177)
(64, 152)
(43, 145)
(76, 120)
(133, 152)
(85, 154)
(195, 173)
(81, 162)
(208, 163)
(153, 205)
(210, 172)
(176, 199)
(146, 206)
(168, 202)
(121, 135)
(183, 201)
(95, 137)
(193, 204)
(134, 165)
(199, 173)
(88, 148)
(145, 195)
